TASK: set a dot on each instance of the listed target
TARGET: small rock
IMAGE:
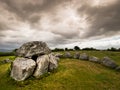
(84, 56)
(109, 62)
(68, 55)
(94, 59)
(59, 55)
(76, 55)
(6, 61)
(22, 68)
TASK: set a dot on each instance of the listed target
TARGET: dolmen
(33, 59)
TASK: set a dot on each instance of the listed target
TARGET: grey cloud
(104, 20)
(31, 11)
(24, 9)
(3, 26)
(34, 19)
(68, 34)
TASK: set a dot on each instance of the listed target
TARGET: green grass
(72, 74)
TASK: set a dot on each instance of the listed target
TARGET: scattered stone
(59, 55)
(94, 59)
(33, 49)
(76, 55)
(68, 55)
(109, 62)
(84, 56)
(22, 68)
(6, 61)
(37, 59)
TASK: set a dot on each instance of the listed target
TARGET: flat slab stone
(30, 49)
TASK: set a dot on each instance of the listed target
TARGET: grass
(72, 74)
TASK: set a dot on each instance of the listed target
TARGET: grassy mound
(72, 74)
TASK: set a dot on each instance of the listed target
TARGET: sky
(60, 23)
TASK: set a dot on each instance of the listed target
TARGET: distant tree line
(12, 53)
(113, 49)
(7, 54)
(77, 48)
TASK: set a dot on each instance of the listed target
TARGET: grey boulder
(68, 55)
(84, 56)
(94, 59)
(45, 64)
(53, 62)
(59, 55)
(34, 48)
(22, 68)
(109, 62)
(42, 66)
(76, 55)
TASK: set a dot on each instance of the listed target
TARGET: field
(72, 74)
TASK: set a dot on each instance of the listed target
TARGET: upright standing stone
(42, 66)
(45, 64)
(22, 68)
(53, 62)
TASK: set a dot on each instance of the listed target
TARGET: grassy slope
(71, 74)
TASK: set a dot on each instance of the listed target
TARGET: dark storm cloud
(26, 9)
(103, 20)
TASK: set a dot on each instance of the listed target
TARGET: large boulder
(84, 56)
(45, 64)
(22, 68)
(109, 62)
(94, 59)
(76, 55)
(42, 65)
(34, 48)
(53, 62)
